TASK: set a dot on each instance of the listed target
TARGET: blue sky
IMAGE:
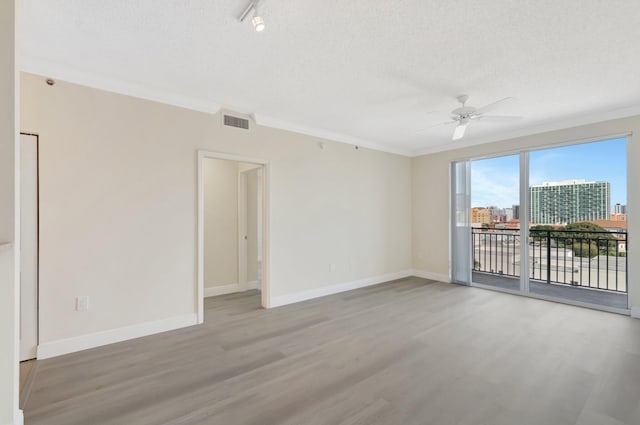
(495, 181)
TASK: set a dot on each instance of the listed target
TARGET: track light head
(258, 22)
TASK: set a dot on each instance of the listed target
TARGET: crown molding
(45, 67)
(39, 66)
(267, 121)
(563, 124)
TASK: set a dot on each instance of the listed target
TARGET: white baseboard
(635, 312)
(98, 339)
(430, 275)
(232, 288)
(214, 291)
(18, 419)
(335, 289)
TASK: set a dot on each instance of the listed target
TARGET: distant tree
(539, 232)
(543, 227)
(585, 250)
(588, 232)
(584, 226)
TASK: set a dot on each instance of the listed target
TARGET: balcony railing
(590, 259)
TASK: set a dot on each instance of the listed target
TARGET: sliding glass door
(550, 223)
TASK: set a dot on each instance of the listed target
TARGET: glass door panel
(578, 230)
(495, 222)
(460, 223)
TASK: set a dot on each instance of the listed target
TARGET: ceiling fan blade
(499, 118)
(492, 106)
(458, 133)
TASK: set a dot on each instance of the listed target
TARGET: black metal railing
(591, 259)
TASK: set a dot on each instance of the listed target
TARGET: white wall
(431, 192)
(220, 222)
(9, 209)
(118, 207)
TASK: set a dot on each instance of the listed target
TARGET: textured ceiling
(374, 72)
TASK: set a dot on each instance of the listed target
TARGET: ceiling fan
(464, 115)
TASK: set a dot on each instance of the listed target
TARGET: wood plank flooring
(411, 351)
(25, 370)
(28, 370)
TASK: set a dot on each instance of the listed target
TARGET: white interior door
(29, 247)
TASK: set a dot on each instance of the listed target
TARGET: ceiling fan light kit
(460, 129)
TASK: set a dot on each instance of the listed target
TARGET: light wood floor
(406, 352)
(25, 370)
(27, 377)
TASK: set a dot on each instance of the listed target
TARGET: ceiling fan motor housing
(464, 111)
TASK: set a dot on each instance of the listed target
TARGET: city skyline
(495, 181)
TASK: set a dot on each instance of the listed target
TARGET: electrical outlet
(332, 267)
(82, 303)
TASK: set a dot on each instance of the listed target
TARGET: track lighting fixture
(257, 21)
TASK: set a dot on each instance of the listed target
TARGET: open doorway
(232, 200)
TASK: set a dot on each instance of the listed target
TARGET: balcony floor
(585, 295)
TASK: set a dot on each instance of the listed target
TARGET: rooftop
(570, 182)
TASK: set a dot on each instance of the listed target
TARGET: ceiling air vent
(232, 121)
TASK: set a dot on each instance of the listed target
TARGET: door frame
(201, 156)
(37, 289)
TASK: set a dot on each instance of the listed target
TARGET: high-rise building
(569, 201)
(508, 212)
(516, 212)
(496, 214)
(619, 209)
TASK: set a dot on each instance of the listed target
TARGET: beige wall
(118, 207)
(8, 243)
(431, 191)
(220, 222)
